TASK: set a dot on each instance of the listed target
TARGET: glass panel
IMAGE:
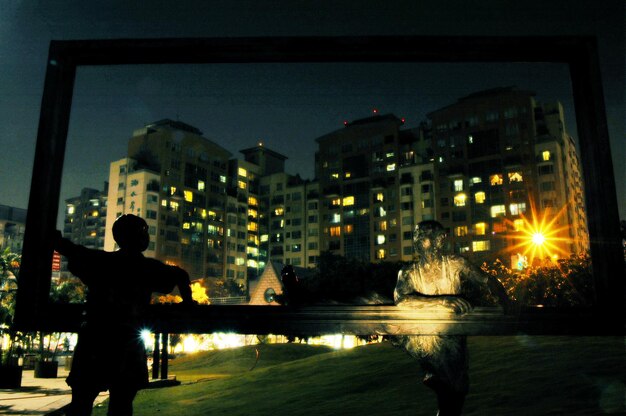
(497, 166)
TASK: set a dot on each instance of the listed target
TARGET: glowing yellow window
(381, 254)
(252, 213)
(481, 245)
(242, 172)
(172, 190)
(480, 228)
(518, 224)
(545, 155)
(347, 175)
(241, 184)
(200, 185)
(391, 167)
(380, 197)
(335, 231)
(348, 228)
(174, 205)
(459, 200)
(336, 202)
(186, 226)
(495, 179)
(188, 196)
(252, 201)
(334, 175)
(382, 225)
(498, 210)
(515, 177)
(95, 214)
(347, 201)
(279, 211)
(71, 209)
(479, 197)
(253, 226)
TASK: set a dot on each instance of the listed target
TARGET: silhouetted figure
(435, 280)
(291, 287)
(110, 354)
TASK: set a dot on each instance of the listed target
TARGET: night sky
(284, 106)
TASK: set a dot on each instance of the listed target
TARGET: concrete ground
(38, 396)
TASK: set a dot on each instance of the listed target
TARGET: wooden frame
(34, 312)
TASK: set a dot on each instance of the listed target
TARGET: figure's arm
(405, 295)
(184, 285)
(80, 259)
(490, 283)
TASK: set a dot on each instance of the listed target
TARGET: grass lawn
(509, 376)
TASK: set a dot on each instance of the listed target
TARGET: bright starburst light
(540, 235)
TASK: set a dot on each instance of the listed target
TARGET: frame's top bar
(320, 49)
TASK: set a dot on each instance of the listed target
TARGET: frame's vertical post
(600, 194)
(165, 356)
(34, 281)
(156, 356)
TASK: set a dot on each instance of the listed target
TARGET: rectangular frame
(34, 312)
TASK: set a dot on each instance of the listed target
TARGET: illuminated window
(517, 208)
(470, 139)
(335, 231)
(188, 196)
(458, 185)
(334, 175)
(174, 206)
(336, 202)
(164, 202)
(95, 213)
(515, 177)
(480, 228)
(545, 155)
(242, 172)
(241, 184)
(279, 211)
(348, 228)
(347, 175)
(382, 226)
(460, 231)
(475, 180)
(265, 238)
(380, 239)
(93, 234)
(200, 185)
(252, 264)
(391, 167)
(172, 190)
(380, 197)
(347, 201)
(252, 201)
(240, 261)
(335, 219)
(186, 226)
(71, 209)
(481, 245)
(518, 224)
(479, 197)
(390, 154)
(498, 211)
(222, 178)
(495, 179)
(459, 200)
(252, 213)
(253, 226)
(381, 254)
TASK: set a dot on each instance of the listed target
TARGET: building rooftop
(178, 125)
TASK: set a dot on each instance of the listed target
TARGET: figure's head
(429, 236)
(131, 233)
